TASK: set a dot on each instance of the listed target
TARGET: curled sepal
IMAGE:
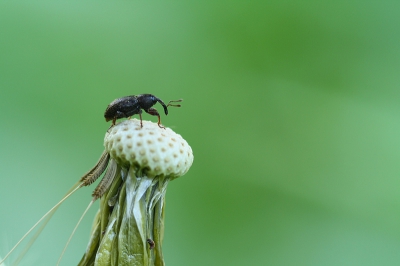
(132, 232)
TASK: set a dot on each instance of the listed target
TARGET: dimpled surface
(155, 150)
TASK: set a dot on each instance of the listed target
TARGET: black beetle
(130, 105)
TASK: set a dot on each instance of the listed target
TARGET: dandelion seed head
(160, 151)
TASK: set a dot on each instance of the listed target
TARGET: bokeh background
(291, 108)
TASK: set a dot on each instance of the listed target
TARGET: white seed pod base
(154, 150)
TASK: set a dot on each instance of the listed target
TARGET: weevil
(131, 105)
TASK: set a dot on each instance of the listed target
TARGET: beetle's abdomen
(121, 108)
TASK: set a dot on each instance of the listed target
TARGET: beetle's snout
(165, 109)
(164, 106)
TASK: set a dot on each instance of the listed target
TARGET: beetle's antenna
(73, 232)
(175, 101)
(49, 213)
(169, 104)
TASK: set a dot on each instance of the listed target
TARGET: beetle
(151, 243)
(130, 105)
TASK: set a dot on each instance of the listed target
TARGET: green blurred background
(291, 108)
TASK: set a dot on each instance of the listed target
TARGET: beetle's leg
(112, 124)
(140, 115)
(153, 111)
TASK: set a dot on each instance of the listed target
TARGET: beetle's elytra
(130, 105)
